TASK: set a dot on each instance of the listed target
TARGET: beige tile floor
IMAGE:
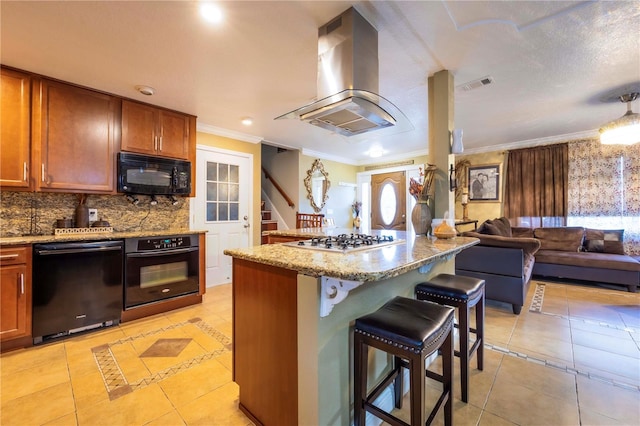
(573, 361)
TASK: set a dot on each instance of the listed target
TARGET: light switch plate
(93, 215)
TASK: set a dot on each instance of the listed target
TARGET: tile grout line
(536, 306)
(561, 367)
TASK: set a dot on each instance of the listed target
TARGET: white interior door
(222, 206)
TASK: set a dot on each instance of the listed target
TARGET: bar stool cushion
(456, 287)
(409, 322)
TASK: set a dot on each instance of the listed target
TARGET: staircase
(267, 224)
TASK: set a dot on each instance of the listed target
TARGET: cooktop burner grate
(346, 242)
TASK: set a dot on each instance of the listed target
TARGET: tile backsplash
(25, 213)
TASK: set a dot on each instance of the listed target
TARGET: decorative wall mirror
(317, 184)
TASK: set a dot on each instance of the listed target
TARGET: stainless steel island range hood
(348, 80)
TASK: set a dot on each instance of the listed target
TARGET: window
(223, 192)
(388, 204)
(604, 189)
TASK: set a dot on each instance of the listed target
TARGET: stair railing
(278, 187)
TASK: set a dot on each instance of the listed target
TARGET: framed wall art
(484, 182)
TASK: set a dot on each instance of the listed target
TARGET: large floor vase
(421, 218)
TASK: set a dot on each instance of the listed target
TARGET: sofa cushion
(529, 246)
(604, 240)
(565, 238)
(499, 226)
(519, 231)
(589, 259)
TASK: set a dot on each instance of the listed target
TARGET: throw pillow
(604, 241)
(499, 226)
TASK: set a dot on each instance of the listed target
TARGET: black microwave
(146, 175)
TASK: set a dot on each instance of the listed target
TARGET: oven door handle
(162, 253)
(79, 250)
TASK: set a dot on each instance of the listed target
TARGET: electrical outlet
(93, 215)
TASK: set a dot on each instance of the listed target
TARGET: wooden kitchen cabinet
(75, 135)
(15, 131)
(155, 131)
(15, 293)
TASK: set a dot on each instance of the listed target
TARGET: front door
(222, 207)
(388, 203)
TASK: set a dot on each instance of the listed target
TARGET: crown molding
(330, 157)
(588, 134)
(219, 131)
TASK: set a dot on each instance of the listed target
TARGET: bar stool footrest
(382, 385)
(389, 418)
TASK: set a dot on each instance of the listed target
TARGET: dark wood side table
(459, 222)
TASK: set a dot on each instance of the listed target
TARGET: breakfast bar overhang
(293, 310)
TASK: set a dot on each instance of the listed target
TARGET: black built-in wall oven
(160, 268)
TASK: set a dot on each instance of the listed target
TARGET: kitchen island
(293, 309)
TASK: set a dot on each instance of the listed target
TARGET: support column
(440, 126)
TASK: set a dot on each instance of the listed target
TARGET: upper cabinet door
(77, 139)
(154, 131)
(174, 135)
(15, 131)
(139, 128)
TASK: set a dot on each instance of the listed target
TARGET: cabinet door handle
(24, 171)
(21, 283)
(155, 143)
(160, 144)
(43, 177)
(8, 256)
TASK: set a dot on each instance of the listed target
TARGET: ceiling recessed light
(247, 121)
(376, 152)
(211, 13)
(146, 90)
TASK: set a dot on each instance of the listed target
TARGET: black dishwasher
(76, 287)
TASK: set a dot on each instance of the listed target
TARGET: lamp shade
(626, 129)
(623, 131)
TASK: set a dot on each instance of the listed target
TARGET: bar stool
(410, 330)
(462, 293)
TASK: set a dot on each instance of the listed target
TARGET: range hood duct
(348, 80)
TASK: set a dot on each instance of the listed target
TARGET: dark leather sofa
(504, 262)
(507, 257)
(585, 254)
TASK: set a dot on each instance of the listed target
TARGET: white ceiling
(551, 62)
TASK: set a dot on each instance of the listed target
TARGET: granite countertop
(373, 264)
(316, 232)
(115, 235)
